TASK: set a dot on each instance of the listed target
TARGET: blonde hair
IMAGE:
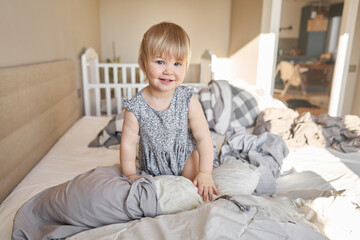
(164, 39)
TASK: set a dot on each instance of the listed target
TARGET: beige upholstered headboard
(38, 104)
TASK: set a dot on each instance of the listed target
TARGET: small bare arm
(129, 138)
(200, 130)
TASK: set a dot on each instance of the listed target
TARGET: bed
(315, 194)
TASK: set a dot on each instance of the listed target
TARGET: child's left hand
(206, 186)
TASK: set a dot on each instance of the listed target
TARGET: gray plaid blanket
(226, 106)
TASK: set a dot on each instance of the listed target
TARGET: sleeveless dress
(166, 141)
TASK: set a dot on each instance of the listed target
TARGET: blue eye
(177, 64)
(160, 62)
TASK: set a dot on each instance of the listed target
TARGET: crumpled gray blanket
(299, 130)
(110, 135)
(265, 152)
(341, 133)
(95, 198)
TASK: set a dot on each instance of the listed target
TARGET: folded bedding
(299, 130)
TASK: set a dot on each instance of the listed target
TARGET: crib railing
(115, 80)
(107, 84)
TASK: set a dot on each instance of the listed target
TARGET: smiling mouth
(164, 80)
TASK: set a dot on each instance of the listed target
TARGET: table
(319, 74)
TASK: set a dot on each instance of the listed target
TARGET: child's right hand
(133, 176)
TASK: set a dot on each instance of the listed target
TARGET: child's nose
(168, 70)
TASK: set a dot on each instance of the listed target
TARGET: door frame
(268, 47)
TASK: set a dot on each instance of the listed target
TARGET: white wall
(244, 41)
(291, 15)
(354, 77)
(344, 82)
(245, 23)
(206, 21)
(40, 31)
(245, 60)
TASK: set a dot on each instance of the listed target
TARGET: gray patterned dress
(166, 141)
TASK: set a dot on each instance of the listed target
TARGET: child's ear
(142, 67)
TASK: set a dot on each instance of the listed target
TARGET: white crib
(113, 82)
(126, 85)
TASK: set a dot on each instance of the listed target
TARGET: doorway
(307, 48)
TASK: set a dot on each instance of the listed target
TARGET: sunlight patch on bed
(339, 172)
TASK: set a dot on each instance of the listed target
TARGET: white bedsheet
(316, 171)
(69, 157)
(268, 219)
(320, 168)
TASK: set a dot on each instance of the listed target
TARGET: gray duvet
(95, 198)
(266, 152)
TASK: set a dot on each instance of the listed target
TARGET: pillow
(110, 135)
(236, 178)
(176, 194)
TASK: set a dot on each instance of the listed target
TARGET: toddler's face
(165, 72)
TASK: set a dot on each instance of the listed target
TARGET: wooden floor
(318, 99)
